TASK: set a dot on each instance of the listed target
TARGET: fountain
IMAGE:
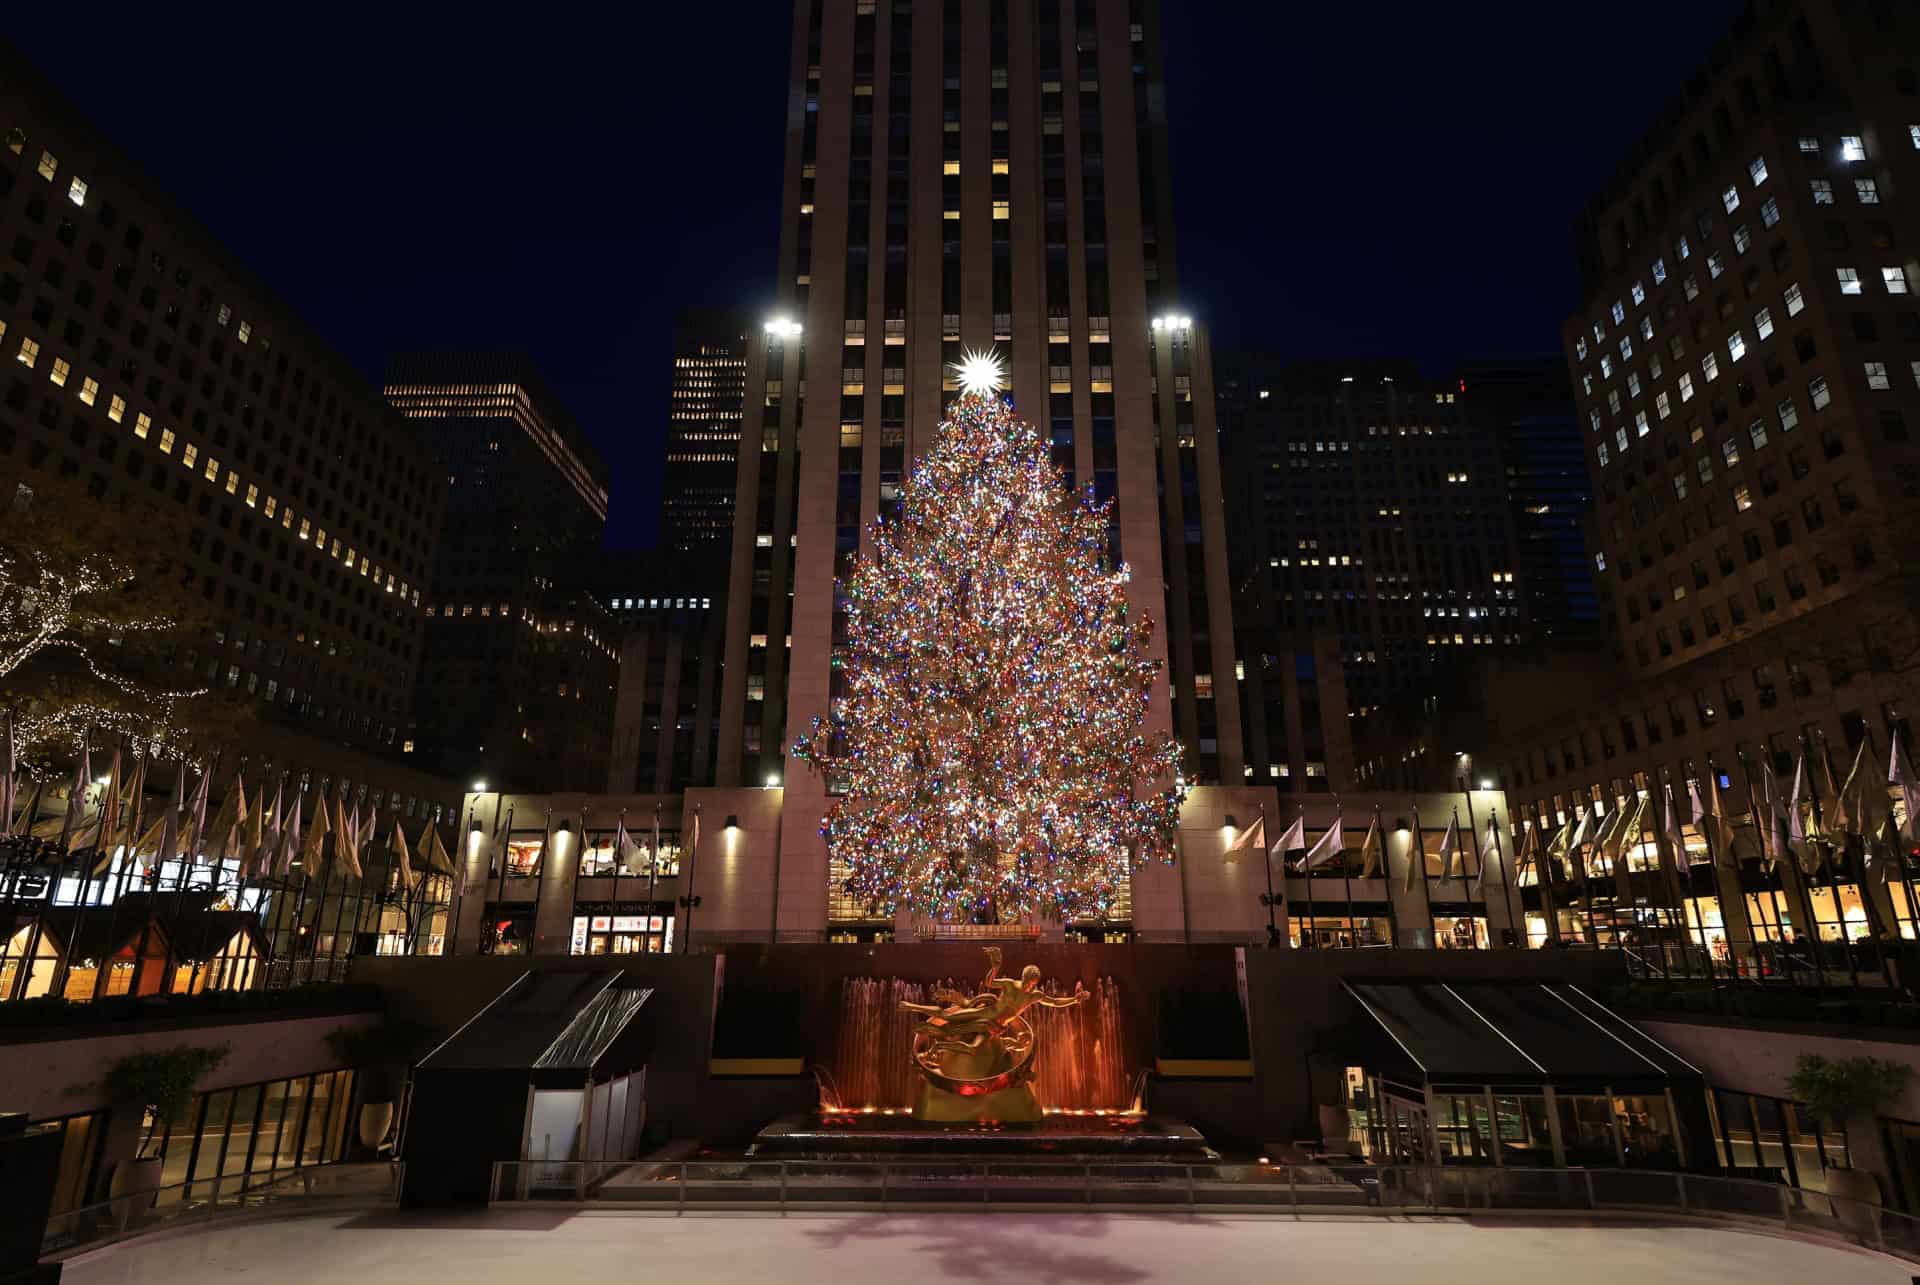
(959, 1068)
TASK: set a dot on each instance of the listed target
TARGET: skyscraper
(703, 432)
(521, 656)
(970, 176)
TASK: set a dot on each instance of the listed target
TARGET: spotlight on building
(733, 822)
(1400, 824)
(1485, 783)
(773, 780)
(479, 787)
(783, 327)
(1231, 824)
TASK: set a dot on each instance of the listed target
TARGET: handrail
(288, 1191)
(1129, 1184)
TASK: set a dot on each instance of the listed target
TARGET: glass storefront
(80, 1139)
(1775, 1140)
(1459, 931)
(255, 1133)
(507, 929)
(1340, 931)
(635, 929)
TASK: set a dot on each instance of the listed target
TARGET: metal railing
(1375, 1190)
(295, 1191)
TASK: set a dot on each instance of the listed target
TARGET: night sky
(1372, 179)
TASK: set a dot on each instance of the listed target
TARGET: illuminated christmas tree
(989, 750)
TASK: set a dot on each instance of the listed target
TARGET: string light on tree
(987, 739)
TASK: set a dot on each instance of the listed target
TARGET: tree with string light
(93, 612)
(987, 741)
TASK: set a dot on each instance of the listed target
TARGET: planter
(133, 1187)
(1856, 1199)
(375, 1119)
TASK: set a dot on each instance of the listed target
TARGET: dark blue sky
(1368, 179)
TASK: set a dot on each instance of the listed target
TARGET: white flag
(1327, 846)
(1372, 852)
(1251, 839)
(1489, 844)
(1292, 841)
(1450, 849)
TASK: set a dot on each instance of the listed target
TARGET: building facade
(522, 655)
(968, 176)
(1370, 512)
(143, 360)
(667, 712)
(1745, 370)
(703, 433)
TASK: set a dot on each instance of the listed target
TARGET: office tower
(1527, 403)
(1743, 364)
(703, 434)
(522, 656)
(969, 176)
(1369, 507)
(141, 357)
(667, 709)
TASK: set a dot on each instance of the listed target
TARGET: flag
(196, 818)
(1604, 834)
(229, 823)
(1292, 841)
(1372, 852)
(1883, 853)
(289, 844)
(132, 807)
(624, 848)
(1490, 844)
(1718, 826)
(1450, 848)
(1633, 818)
(1251, 839)
(1835, 819)
(693, 848)
(106, 823)
(316, 838)
(1562, 839)
(1796, 825)
(346, 837)
(10, 787)
(264, 835)
(1900, 776)
(1529, 850)
(169, 827)
(1327, 846)
(1776, 836)
(654, 856)
(402, 859)
(70, 827)
(1866, 798)
(433, 853)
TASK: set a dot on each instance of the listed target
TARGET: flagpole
(1899, 850)
(619, 832)
(1346, 874)
(1307, 936)
(57, 982)
(1840, 855)
(1266, 855)
(118, 876)
(1516, 925)
(653, 880)
(505, 856)
(1773, 892)
(1882, 938)
(1386, 875)
(1479, 857)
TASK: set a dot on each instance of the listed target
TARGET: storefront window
(600, 860)
(524, 848)
(79, 1154)
(250, 1133)
(1646, 1132)
(1586, 1130)
(1459, 932)
(621, 930)
(1525, 1135)
(1341, 931)
(1461, 1126)
(1838, 913)
(507, 930)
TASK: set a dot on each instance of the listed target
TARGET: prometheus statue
(975, 1052)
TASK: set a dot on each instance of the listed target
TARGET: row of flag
(1454, 863)
(264, 839)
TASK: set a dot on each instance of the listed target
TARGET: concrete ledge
(759, 1066)
(1187, 1068)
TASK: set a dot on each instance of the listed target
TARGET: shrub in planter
(1843, 1091)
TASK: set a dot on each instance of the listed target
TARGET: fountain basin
(1056, 1136)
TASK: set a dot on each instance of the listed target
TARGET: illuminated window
(1742, 500)
(233, 481)
(1809, 144)
(1686, 388)
(1757, 170)
(1822, 192)
(1849, 280)
(1002, 209)
(77, 191)
(117, 409)
(48, 164)
(189, 455)
(29, 353)
(1770, 212)
(272, 506)
(245, 332)
(59, 372)
(1795, 301)
(1736, 345)
(1818, 393)
(166, 439)
(950, 167)
(1659, 272)
(1877, 376)
(1895, 279)
(999, 165)
(224, 316)
(1867, 191)
(1730, 198)
(1851, 148)
(1763, 323)
(253, 495)
(212, 473)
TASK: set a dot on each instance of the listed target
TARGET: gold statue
(976, 1052)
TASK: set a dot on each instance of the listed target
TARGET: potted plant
(1848, 1094)
(379, 1056)
(161, 1083)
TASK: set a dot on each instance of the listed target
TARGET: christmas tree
(989, 753)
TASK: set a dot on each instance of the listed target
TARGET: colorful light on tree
(987, 743)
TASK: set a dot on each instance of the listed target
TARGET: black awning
(518, 1027)
(1491, 1033)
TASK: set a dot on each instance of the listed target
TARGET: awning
(1515, 1034)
